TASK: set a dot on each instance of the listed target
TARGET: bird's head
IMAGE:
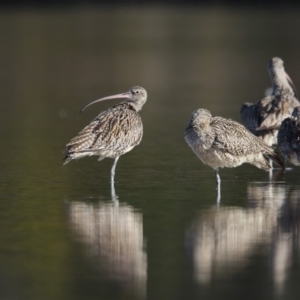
(137, 96)
(201, 118)
(278, 75)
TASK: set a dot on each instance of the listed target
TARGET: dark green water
(63, 235)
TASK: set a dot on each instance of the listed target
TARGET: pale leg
(113, 170)
(218, 179)
(271, 170)
(219, 193)
(271, 162)
(270, 174)
(114, 197)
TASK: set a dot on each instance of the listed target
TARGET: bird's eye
(137, 92)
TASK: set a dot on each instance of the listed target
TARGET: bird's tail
(76, 154)
(67, 158)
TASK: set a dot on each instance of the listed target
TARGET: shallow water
(64, 234)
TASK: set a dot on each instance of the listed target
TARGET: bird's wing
(113, 128)
(234, 138)
(296, 140)
(118, 128)
(274, 118)
(250, 116)
(272, 121)
(289, 137)
(253, 114)
(84, 139)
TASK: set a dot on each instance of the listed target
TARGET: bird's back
(236, 139)
(250, 116)
(277, 110)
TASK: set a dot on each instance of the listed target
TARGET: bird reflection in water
(224, 239)
(286, 238)
(113, 235)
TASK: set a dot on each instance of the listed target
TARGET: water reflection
(113, 235)
(224, 239)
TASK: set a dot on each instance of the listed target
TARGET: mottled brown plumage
(113, 132)
(264, 117)
(289, 138)
(220, 142)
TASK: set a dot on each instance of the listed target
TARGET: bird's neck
(280, 83)
(133, 105)
(128, 105)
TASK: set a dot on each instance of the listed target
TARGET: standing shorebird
(220, 142)
(264, 117)
(289, 138)
(113, 132)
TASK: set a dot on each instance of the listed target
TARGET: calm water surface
(64, 234)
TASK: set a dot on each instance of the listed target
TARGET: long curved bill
(290, 81)
(123, 95)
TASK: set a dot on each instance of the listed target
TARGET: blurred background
(63, 234)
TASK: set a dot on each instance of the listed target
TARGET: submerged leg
(114, 197)
(218, 179)
(113, 170)
(218, 193)
(271, 174)
(271, 170)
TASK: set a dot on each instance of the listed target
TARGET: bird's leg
(219, 193)
(218, 179)
(113, 170)
(271, 174)
(271, 170)
(271, 163)
(114, 197)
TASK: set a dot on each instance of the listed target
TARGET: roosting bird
(289, 138)
(113, 132)
(220, 142)
(264, 117)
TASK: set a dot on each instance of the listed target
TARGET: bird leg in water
(113, 169)
(218, 178)
(271, 174)
(271, 163)
(114, 197)
(271, 170)
(218, 193)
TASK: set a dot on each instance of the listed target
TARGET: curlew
(113, 132)
(289, 138)
(220, 142)
(264, 117)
